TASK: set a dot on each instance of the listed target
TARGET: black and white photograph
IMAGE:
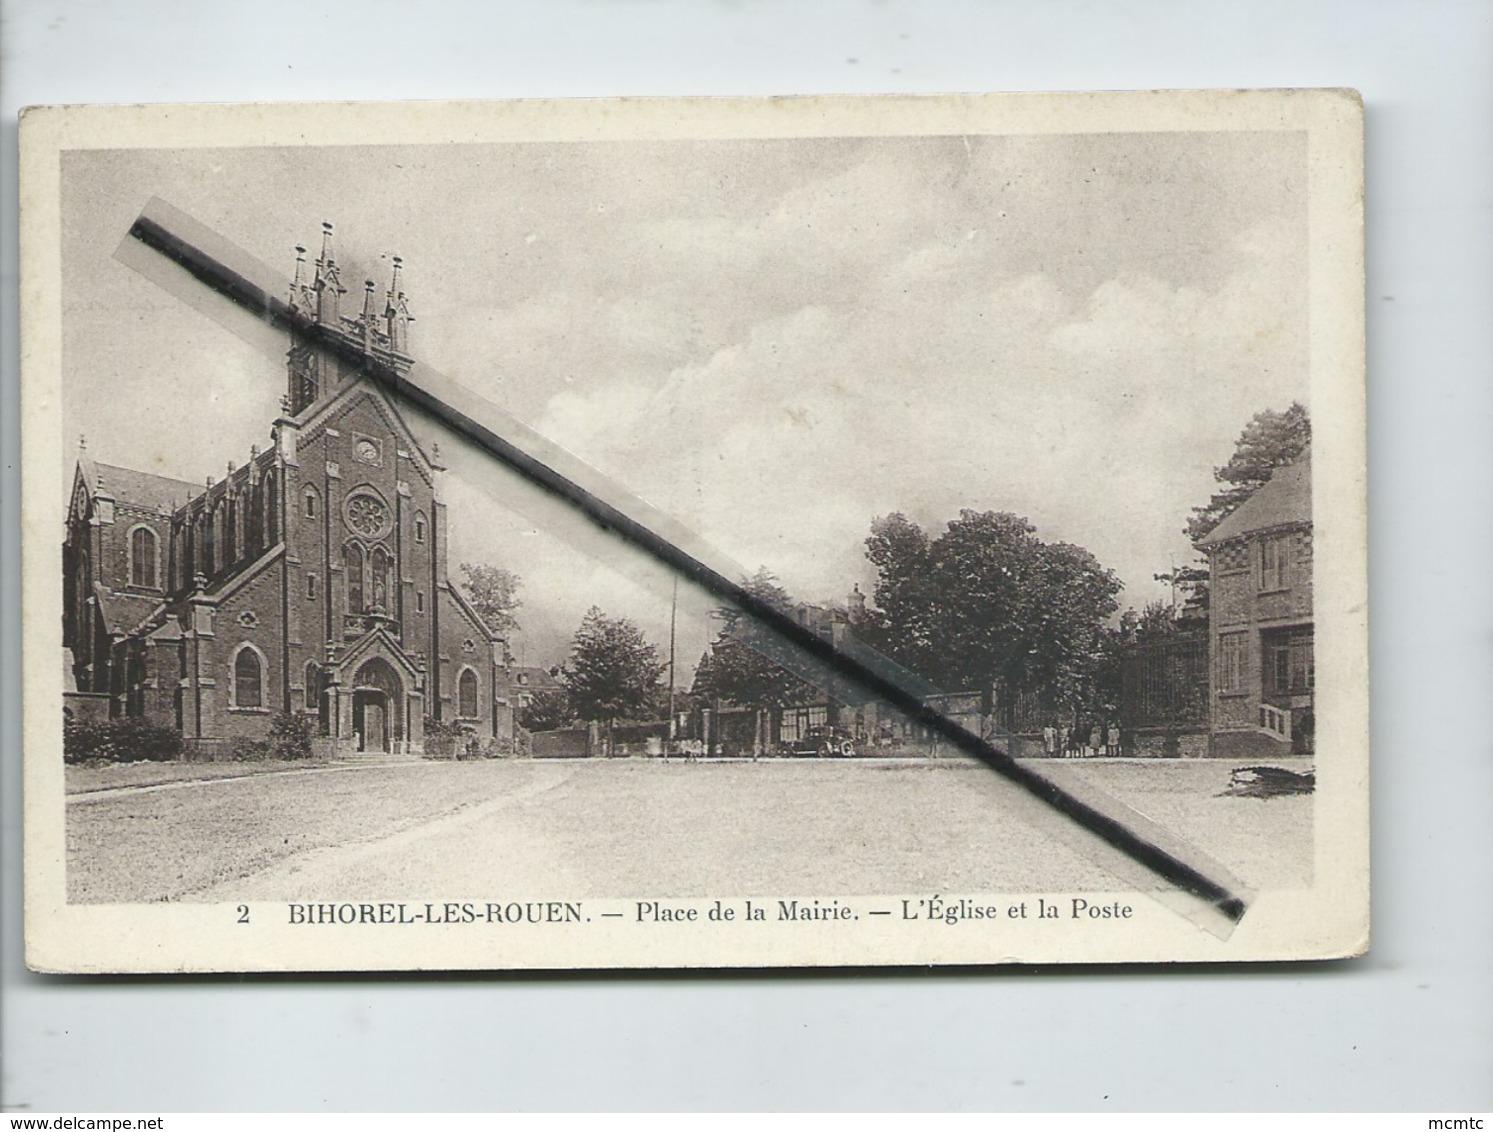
(821, 532)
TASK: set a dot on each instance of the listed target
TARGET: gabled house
(1261, 701)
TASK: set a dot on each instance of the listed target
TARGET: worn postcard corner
(695, 533)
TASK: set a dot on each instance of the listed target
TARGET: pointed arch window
(466, 694)
(178, 555)
(309, 503)
(144, 558)
(352, 561)
(209, 545)
(231, 542)
(248, 678)
(271, 510)
(379, 577)
(419, 527)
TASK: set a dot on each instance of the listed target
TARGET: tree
(612, 671)
(899, 624)
(1155, 622)
(548, 710)
(733, 670)
(493, 592)
(1268, 441)
(987, 603)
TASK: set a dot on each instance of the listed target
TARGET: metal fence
(1164, 683)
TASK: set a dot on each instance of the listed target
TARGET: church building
(311, 579)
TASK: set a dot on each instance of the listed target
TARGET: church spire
(397, 312)
(300, 294)
(328, 284)
(370, 314)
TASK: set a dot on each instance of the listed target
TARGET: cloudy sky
(774, 341)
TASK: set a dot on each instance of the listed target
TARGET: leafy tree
(733, 670)
(1268, 441)
(1157, 621)
(493, 592)
(987, 603)
(612, 671)
(900, 624)
(549, 710)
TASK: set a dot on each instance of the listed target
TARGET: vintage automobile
(823, 742)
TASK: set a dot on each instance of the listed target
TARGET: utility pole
(673, 621)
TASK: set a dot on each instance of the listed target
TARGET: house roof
(533, 678)
(144, 489)
(1282, 500)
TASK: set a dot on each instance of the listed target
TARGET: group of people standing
(1059, 740)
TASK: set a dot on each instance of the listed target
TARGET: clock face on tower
(367, 515)
(367, 451)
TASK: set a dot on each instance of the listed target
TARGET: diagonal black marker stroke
(274, 310)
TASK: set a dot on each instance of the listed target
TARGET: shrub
(442, 739)
(250, 750)
(124, 740)
(290, 736)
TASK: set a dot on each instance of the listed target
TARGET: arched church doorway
(378, 707)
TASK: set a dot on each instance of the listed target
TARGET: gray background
(1411, 1027)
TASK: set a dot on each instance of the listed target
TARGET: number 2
(243, 913)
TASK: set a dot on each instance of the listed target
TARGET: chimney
(857, 601)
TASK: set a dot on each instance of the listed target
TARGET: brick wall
(1242, 601)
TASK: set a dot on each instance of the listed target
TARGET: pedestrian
(1112, 740)
(1049, 740)
(1065, 740)
(1095, 739)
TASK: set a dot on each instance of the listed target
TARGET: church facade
(312, 579)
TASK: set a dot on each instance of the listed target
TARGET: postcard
(802, 532)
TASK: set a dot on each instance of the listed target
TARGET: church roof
(125, 612)
(1282, 500)
(144, 489)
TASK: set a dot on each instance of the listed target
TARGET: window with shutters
(1232, 655)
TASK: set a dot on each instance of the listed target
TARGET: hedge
(123, 740)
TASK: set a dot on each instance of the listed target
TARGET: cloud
(774, 341)
(945, 389)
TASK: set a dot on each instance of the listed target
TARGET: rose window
(367, 515)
